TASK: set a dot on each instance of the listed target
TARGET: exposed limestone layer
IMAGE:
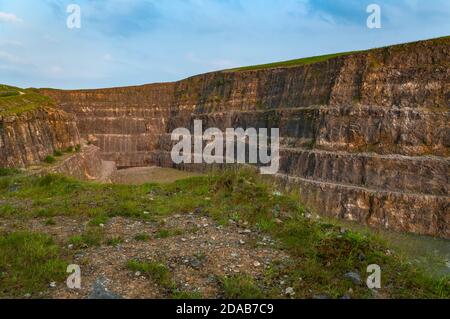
(365, 136)
(124, 122)
(28, 138)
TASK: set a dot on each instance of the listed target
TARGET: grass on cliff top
(321, 252)
(14, 101)
(323, 58)
(291, 63)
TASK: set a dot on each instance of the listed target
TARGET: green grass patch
(166, 233)
(28, 263)
(57, 153)
(158, 272)
(49, 159)
(90, 238)
(14, 101)
(50, 222)
(142, 237)
(8, 172)
(241, 287)
(98, 220)
(186, 295)
(114, 241)
(291, 63)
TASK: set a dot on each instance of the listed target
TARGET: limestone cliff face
(124, 122)
(28, 138)
(365, 136)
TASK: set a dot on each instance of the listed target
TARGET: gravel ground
(198, 254)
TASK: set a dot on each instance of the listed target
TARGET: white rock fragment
(290, 291)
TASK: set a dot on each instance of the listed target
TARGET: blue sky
(127, 42)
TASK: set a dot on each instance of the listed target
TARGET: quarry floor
(142, 175)
(189, 254)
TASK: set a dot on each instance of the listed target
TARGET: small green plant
(77, 148)
(166, 233)
(50, 222)
(57, 153)
(99, 220)
(186, 295)
(69, 149)
(114, 241)
(50, 159)
(8, 172)
(141, 237)
(156, 271)
(241, 287)
(90, 238)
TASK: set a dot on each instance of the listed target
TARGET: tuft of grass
(49, 159)
(166, 233)
(292, 63)
(186, 295)
(159, 272)
(142, 237)
(57, 153)
(241, 287)
(50, 222)
(28, 263)
(8, 172)
(114, 241)
(90, 238)
(98, 220)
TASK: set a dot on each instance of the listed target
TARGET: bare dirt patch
(142, 175)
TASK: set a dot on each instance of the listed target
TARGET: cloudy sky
(126, 42)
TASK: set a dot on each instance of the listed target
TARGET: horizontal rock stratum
(365, 136)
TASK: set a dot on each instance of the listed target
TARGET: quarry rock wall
(364, 136)
(26, 139)
(87, 164)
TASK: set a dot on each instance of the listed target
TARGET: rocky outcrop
(86, 164)
(364, 136)
(28, 138)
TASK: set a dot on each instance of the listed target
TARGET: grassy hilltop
(14, 101)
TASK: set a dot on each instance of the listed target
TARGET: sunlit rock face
(365, 137)
(26, 139)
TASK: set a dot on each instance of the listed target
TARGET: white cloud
(9, 18)
(10, 58)
(56, 70)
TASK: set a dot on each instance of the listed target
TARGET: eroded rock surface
(26, 139)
